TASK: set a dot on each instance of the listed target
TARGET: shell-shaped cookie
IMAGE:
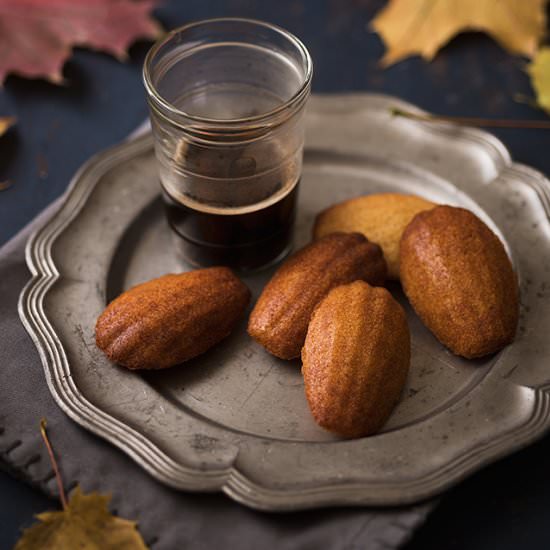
(280, 318)
(355, 359)
(171, 319)
(381, 217)
(460, 281)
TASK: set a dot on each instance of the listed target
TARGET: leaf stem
(473, 121)
(62, 495)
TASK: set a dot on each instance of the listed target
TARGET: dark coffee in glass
(227, 98)
(245, 241)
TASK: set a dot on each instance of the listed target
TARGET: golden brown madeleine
(382, 218)
(355, 359)
(460, 281)
(280, 318)
(171, 319)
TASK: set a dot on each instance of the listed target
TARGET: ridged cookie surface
(171, 319)
(280, 318)
(355, 359)
(382, 218)
(459, 279)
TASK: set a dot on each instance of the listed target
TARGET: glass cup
(227, 100)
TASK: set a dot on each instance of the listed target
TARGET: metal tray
(236, 419)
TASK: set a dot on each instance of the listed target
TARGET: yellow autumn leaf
(422, 27)
(539, 71)
(86, 524)
(6, 123)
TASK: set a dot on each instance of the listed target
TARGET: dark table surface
(504, 506)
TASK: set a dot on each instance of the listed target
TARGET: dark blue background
(505, 506)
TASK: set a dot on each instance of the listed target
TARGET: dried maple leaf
(85, 522)
(539, 71)
(422, 27)
(36, 36)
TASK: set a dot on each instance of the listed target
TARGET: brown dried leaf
(85, 523)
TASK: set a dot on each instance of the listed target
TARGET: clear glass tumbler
(227, 99)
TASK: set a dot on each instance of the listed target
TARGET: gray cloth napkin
(168, 519)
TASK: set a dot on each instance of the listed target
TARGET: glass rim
(173, 110)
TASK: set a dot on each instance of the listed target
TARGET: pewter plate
(236, 419)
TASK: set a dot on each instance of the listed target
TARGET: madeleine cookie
(382, 218)
(280, 318)
(171, 319)
(460, 281)
(355, 359)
